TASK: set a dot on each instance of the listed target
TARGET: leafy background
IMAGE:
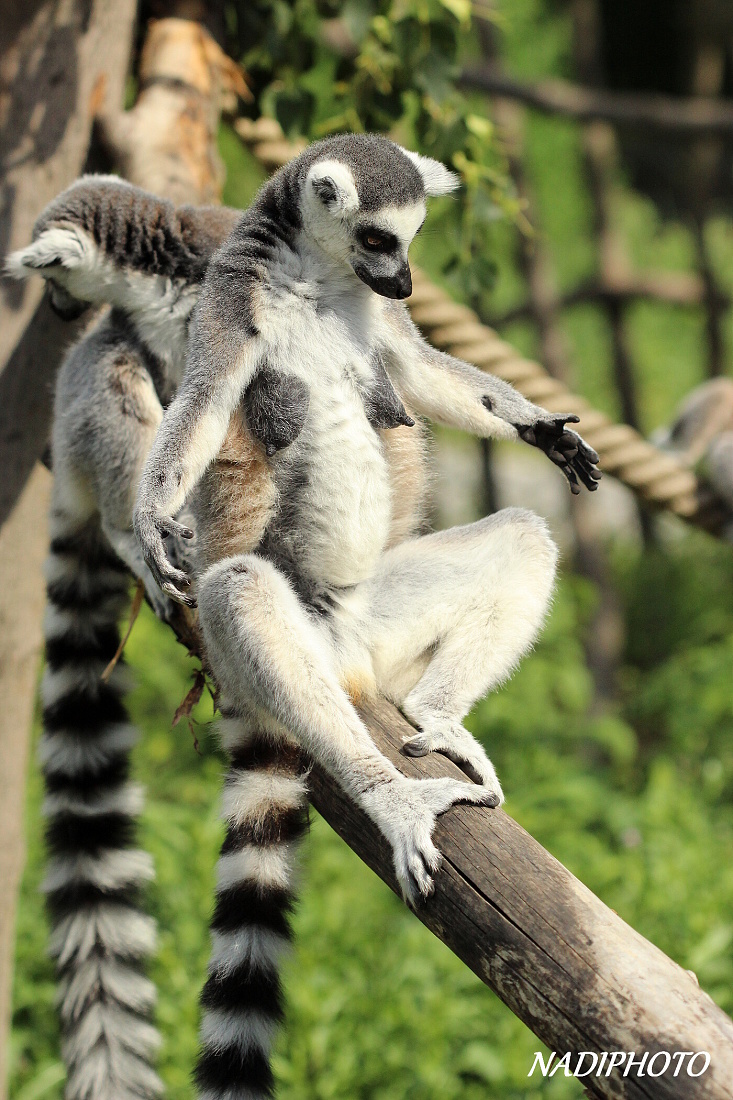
(637, 800)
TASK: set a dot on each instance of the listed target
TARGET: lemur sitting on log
(130, 249)
(106, 242)
(330, 600)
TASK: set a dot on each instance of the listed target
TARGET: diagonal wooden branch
(570, 968)
(641, 110)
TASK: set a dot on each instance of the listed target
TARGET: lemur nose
(404, 282)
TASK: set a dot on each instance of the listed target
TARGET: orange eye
(374, 242)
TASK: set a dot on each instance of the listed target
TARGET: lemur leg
(275, 662)
(452, 614)
(112, 415)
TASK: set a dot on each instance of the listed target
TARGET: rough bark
(167, 142)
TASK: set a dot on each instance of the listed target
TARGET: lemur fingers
(455, 742)
(406, 811)
(565, 448)
(151, 530)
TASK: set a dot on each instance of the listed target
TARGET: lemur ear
(326, 190)
(332, 183)
(436, 178)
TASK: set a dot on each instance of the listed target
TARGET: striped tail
(266, 810)
(95, 874)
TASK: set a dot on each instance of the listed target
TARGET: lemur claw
(454, 741)
(565, 448)
(151, 530)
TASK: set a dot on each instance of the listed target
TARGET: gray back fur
(139, 230)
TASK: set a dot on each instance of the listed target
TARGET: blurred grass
(637, 803)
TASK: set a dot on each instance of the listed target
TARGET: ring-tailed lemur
(104, 241)
(328, 603)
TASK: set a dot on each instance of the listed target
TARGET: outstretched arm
(456, 394)
(223, 355)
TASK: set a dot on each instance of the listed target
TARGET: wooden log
(669, 114)
(167, 143)
(569, 967)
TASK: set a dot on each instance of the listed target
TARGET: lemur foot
(406, 811)
(455, 742)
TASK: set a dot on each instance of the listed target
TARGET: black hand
(565, 448)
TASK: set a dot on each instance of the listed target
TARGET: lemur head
(364, 201)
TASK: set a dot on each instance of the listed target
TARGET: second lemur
(327, 603)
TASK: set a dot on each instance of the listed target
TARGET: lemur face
(379, 248)
(364, 205)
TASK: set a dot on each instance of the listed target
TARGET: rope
(658, 478)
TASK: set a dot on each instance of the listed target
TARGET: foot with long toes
(406, 811)
(453, 740)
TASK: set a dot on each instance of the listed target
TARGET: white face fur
(374, 244)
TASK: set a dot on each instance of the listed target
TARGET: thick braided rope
(658, 478)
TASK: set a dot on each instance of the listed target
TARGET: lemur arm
(456, 394)
(222, 360)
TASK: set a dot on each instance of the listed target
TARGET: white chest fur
(334, 481)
